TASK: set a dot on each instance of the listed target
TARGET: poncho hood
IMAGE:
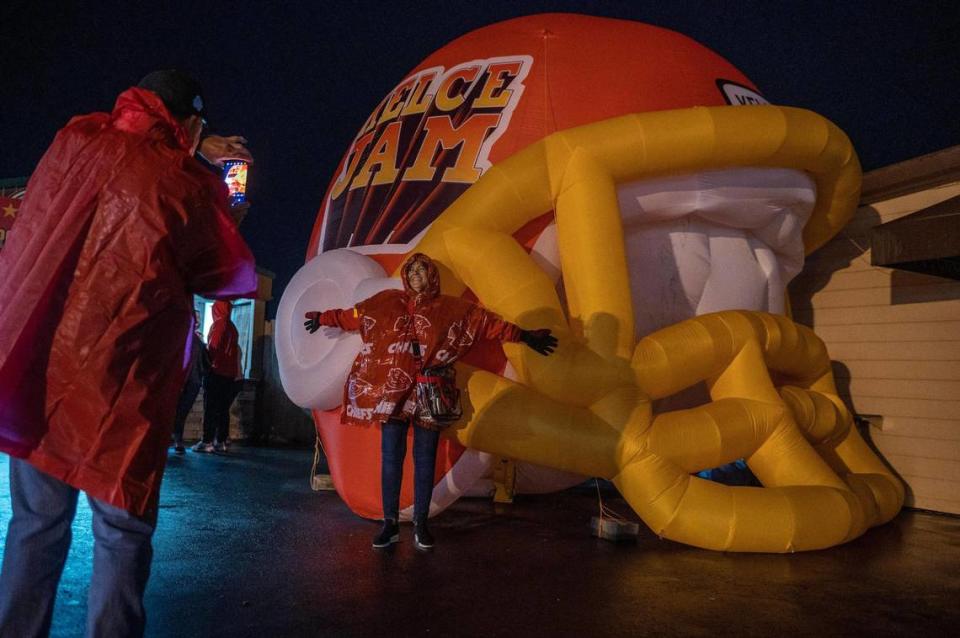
(141, 111)
(221, 310)
(433, 279)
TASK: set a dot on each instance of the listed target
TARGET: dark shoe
(179, 449)
(422, 538)
(389, 535)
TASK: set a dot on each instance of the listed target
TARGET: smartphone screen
(235, 176)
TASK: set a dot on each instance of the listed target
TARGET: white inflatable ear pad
(314, 367)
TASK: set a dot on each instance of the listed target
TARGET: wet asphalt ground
(245, 548)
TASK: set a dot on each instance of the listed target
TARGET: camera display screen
(235, 176)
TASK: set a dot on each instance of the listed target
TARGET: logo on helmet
(739, 95)
(423, 145)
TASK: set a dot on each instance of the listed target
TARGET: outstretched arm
(345, 319)
(495, 327)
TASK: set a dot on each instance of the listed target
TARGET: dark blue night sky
(298, 79)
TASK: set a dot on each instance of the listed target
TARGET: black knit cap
(180, 92)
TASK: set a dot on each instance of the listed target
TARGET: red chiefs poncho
(381, 381)
(119, 227)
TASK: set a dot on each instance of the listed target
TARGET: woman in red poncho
(405, 332)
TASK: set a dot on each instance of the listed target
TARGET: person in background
(119, 228)
(196, 372)
(220, 386)
(404, 333)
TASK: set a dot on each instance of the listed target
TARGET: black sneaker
(389, 535)
(422, 538)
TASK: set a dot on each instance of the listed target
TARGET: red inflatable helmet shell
(491, 93)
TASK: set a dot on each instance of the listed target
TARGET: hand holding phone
(216, 149)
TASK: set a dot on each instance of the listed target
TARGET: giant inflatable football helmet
(634, 191)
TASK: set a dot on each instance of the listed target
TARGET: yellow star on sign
(10, 211)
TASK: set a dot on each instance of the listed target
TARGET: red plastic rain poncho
(120, 226)
(381, 381)
(223, 342)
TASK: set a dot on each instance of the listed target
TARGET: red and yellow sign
(8, 214)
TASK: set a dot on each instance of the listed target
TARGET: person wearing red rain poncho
(222, 385)
(119, 228)
(404, 333)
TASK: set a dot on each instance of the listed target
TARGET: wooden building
(894, 334)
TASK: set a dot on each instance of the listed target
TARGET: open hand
(312, 324)
(540, 341)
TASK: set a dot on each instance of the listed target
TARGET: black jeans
(393, 449)
(187, 397)
(218, 395)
